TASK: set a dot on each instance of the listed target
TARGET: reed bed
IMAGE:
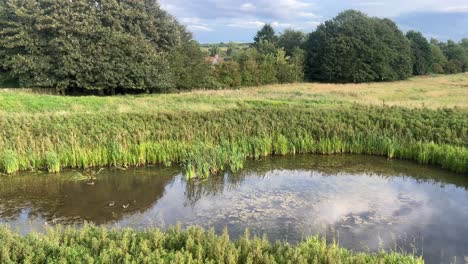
(99, 245)
(205, 143)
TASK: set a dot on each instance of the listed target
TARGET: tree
(265, 47)
(104, 45)
(267, 33)
(189, 67)
(290, 40)
(228, 74)
(457, 56)
(356, 48)
(464, 43)
(438, 59)
(421, 53)
(267, 69)
(297, 60)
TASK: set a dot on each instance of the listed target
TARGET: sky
(214, 21)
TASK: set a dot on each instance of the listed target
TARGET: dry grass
(443, 91)
(439, 91)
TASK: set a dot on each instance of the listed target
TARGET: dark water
(366, 203)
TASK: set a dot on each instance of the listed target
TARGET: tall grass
(194, 245)
(9, 161)
(209, 142)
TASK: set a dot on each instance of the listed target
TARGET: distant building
(214, 60)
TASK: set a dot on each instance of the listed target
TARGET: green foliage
(267, 69)
(9, 162)
(228, 74)
(99, 245)
(457, 57)
(437, 68)
(290, 40)
(209, 142)
(287, 72)
(190, 69)
(52, 162)
(88, 45)
(265, 47)
(439, 59)
(422, 53)
(214, 50)
(266, 34)
(256, 66)
(356, 48)
(454, 66)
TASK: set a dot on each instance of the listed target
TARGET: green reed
(9, 162)
(100, 245)
(210, 142)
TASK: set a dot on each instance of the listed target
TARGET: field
(423, 119)
(422, 92)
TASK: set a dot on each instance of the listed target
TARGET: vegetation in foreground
(99, 245)
(38, 132)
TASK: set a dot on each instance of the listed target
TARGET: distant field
(442, 91)
(225, 46)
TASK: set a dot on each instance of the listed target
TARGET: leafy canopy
(88, 44)
(421, 53)
(356, 48)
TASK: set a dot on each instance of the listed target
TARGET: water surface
(366, 203)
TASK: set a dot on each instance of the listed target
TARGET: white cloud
(395, 8)
(281, 25)
(461, 8)
(247, 24)
(196, 28)
(369, 4)
(196, 24)
(248, 7)
(313, 23)
(308, 15)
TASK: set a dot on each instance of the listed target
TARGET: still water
(365, 203)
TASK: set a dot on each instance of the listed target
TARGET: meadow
(211, 131)
(433, 92)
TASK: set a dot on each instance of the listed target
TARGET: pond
(365, 203)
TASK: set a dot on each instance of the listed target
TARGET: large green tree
(267, 33)
(422, 53)
(89, 45)
(457, 56)
(290, 40)
(438, 59)
(356, 48)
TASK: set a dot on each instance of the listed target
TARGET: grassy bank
(99, 245)
(212, 131)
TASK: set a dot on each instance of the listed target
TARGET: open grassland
(99, 245)
(212, 131)
(441, 91)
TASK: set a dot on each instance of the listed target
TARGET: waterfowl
(125, 206)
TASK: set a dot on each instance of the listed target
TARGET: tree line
(134, 46)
